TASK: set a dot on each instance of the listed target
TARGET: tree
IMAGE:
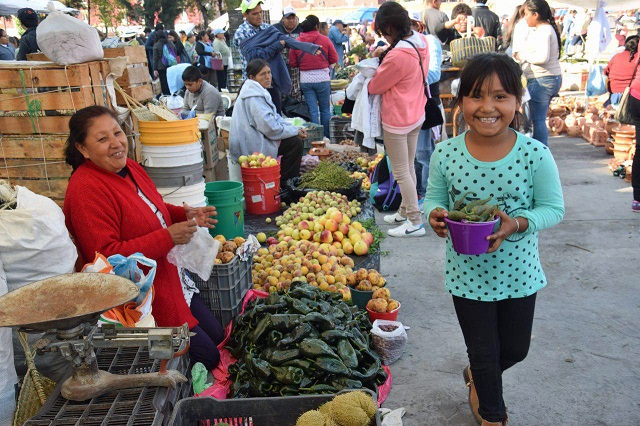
(167, 11)
(208, 9)
(232, 4)
(110, 13)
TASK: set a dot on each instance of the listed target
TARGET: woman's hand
(202, 215)
(508, 227)
(302, 133)
(436, 220)
(378, 51)
(182, 232)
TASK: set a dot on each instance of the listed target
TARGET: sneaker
(394, 218)
(635, 206)
(408, 230)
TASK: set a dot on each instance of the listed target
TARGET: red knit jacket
(105, 214)
(619, 70)
(308, 61)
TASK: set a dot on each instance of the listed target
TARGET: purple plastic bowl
(470, 237)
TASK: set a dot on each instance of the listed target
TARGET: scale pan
(64, 301)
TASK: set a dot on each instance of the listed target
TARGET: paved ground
(583, 367)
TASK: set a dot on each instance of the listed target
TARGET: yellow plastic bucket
(163, 133)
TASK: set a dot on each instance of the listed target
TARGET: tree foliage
(166, 10)
(110, 12)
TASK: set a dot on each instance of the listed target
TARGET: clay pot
(608, 147)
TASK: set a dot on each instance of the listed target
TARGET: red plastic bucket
(470, 237)
(261, 189)
(389, 316)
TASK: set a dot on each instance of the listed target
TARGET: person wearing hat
(338, 36)
(289, 25)
(220, 47)
(252, 12)
(28, 43)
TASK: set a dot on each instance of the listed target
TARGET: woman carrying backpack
(164, 56)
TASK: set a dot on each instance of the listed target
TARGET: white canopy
(11, 7)
(221, 22)
(506, 7)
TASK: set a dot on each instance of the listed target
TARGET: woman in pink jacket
(399, 79)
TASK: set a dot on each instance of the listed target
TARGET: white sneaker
(394, 218)
(408, 230)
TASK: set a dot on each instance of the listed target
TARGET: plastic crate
(282, 411)
(340, 129)
(136, 406)
(224, 290)
(337, 109)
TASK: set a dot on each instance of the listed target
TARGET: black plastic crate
(224, 290)
(340, 129)
(281, 411)
(136, 406)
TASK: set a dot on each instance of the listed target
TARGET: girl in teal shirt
(494, 293)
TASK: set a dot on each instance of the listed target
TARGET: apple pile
(315, 204)
(333, 229)
(276, 267)
(373, 163)
(366, 183)
(257, 159)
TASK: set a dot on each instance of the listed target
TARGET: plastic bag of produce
(388, 339)
(198, 255)
(67, 40)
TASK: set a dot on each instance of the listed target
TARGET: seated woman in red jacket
(112, 207)
(315, 71)
(620, 69)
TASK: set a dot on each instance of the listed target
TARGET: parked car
(357, 16)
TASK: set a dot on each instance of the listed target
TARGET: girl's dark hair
(175, 35)
(310, 23)
(78, 127)
(631, 44)
(201, 35)
(542, 8)
(481, 67)
(392, 18)
(160, 35)
(255, 66)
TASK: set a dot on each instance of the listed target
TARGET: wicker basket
(465, 48)
(35, 389)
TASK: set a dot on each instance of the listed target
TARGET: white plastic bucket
(171, 156)
(192, 195)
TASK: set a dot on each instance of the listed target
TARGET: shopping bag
(388, 339)
(198, 255)
(216, 64)
(596, 85)
(623, 113)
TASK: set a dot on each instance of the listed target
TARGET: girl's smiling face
(489, 111)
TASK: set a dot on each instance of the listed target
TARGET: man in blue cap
(338, 35)
(28, 43)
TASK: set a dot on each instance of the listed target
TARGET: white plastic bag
(198, 255)
(388, 344)
(67, 40)
(8, 376)
(34, 241)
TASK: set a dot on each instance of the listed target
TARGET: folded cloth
(366, 111)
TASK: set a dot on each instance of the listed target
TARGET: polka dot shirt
(525, 183)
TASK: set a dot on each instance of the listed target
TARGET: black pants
(634, 105)
(222, 77)
(497, 335)
(209, 334)
(162, 75)
(291, 151)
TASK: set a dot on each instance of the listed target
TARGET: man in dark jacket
(148, 46)
(289, 25)
(28, 43)
(486, 19)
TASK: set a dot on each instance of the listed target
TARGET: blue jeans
(425, 148)
(542, 90)
(318, 97)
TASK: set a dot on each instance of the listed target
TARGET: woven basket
(35, 389)
(463, 49)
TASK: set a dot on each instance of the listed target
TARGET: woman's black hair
(78, 127)
(461, 9)
(255, 66)
(631, 44)
(200, 35)
(542, 8)
(392, 18)
(175, 35)
(310, 23)
(481, 67)
(518, 14)
(161, 35)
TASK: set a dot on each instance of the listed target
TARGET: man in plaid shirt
(252, 12)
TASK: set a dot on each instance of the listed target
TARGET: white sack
(67, 40)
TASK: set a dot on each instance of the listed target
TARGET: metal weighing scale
(69, 306)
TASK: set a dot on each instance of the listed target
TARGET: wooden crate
(36, 162)
(53, 93)
(135, 80)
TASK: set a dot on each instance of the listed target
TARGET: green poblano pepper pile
(474, 211)
(304, 341)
